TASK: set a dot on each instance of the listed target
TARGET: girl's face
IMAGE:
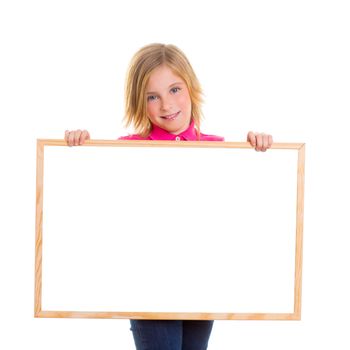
(168, 101)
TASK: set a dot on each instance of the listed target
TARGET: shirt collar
(158, 133)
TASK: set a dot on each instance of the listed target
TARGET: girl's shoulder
(132, 137)
(206, 137)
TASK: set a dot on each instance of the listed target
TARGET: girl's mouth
(171, 116)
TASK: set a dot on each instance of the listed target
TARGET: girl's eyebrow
(176, 83)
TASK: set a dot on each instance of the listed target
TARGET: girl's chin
(177, 130)
(173, 126)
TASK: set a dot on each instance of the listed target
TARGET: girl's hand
(260, 141)
(76, 137)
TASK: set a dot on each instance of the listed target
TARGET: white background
(188, 241)
(280, 67)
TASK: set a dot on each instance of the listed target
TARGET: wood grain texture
(299, 232)
(170, 315)
(39, 226)
(152, 143)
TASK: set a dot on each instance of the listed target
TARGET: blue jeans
(171, 335)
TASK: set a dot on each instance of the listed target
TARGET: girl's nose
(166, 105)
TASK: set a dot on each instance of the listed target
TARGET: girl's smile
(168, 101)
(171, 116)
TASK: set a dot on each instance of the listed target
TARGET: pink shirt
(189, 134)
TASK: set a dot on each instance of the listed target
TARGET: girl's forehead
(163, 76)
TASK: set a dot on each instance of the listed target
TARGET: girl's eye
(151, 98)
(154, 97)
(175, 89)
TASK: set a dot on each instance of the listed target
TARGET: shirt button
(177, 138)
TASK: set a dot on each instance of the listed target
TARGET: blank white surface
(168, 229)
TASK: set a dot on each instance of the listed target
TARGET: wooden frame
(296, 315)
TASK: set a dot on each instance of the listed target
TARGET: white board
(157, 229)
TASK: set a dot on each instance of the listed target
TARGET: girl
(163, 102)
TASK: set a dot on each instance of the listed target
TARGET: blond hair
(140, 69)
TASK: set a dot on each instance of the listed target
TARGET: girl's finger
(77, 137)
(71, 138)
(270, 141)
(265, 142)
(67, 137)
(259, 142)
(84, 136)
(251, 138)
